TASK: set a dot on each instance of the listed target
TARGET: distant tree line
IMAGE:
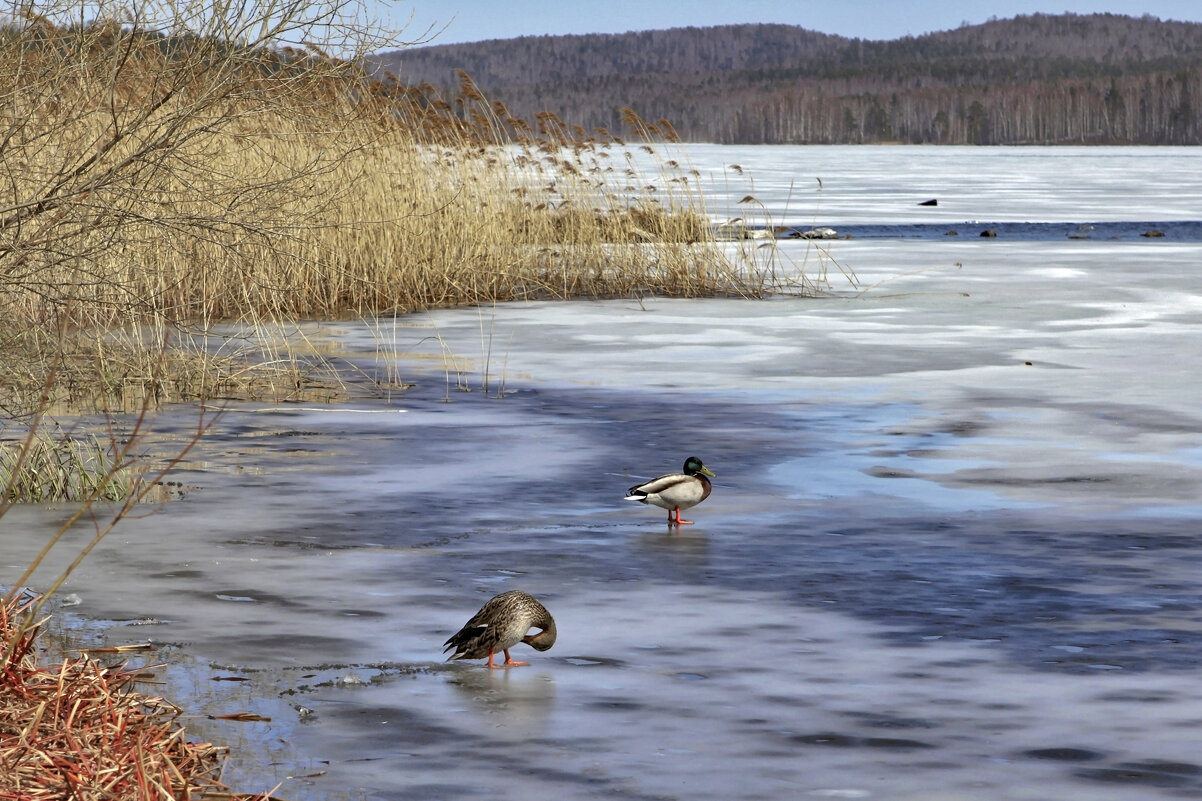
(1038, 79)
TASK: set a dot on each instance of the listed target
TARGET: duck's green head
(693, 466)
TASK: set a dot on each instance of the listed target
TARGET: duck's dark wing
(478, 636)
(657, 485)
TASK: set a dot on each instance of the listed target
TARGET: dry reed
(82, 731)
(289, 186)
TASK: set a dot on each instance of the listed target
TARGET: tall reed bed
(288, 222)
(154, 196)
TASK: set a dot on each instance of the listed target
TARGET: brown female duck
(500, 624)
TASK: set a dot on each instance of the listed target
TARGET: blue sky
(475, 20)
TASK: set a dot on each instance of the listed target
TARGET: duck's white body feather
(673, 491)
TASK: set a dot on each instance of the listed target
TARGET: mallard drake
(501, 624)
(676, 491)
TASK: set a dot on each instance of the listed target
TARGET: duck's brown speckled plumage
(500, 624)
(675, 491)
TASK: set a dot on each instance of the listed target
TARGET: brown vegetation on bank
(82, 730)
(159, 185)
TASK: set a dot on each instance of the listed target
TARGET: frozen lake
(951, 552)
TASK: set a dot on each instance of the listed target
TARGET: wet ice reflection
(677, 691)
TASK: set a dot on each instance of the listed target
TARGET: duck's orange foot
(509, 662)
(676, 521)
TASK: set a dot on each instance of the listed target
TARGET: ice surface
(862, 185)
(952, 549)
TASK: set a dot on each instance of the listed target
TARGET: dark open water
(1171, 230)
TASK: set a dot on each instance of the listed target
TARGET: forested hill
(1039, 79)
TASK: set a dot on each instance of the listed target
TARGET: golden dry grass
(390, 224)
(70, 468)
(290, 187)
